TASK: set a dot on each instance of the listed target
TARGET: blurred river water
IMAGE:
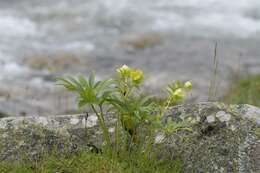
(168, 39)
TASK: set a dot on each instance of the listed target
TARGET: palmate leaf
(117, 104)
(137, 108)
(104, 85)
(83, 81)
(71, 84)
(104, 97)
(67, 84)
(146, 100)
(89, 95)
(89, 91)
(76, 83)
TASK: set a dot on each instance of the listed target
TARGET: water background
(95, 32)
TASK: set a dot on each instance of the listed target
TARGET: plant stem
(166, 106)
(103, 125)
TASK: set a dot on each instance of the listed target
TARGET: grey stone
(224, 138)
(230, 143)
(35, 135)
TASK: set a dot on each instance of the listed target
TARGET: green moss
(244, 91)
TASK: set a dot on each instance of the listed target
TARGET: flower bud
(124, 71)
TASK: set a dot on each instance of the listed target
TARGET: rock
(3, 114)
(31, 136)
(248, 111)
(224, 138)
(37, 62)
(223, 116)
(54, 63)
(211, 118)
(140, 41)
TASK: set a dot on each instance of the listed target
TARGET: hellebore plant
(134, 111)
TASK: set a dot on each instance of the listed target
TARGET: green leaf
(67, 84)
(91, 79)
(83, 81)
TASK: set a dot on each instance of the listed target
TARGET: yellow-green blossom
(188, 85)
(137, 76)
(179, 94)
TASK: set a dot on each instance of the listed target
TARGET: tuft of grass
(84, 162)
(87, 162)
(244, 91)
